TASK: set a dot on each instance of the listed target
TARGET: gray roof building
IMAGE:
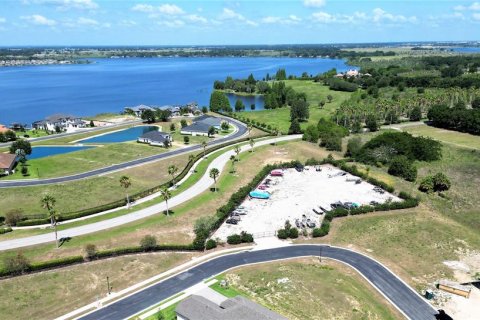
(212, 121)
(155, 138)
(200, 127)
(238, 308)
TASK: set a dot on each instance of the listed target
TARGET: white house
(64, 122)
(155, 138)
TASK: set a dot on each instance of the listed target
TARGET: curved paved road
(200, 186)
(242, 129)
(403, 297)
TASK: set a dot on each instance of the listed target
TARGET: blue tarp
(259, 194)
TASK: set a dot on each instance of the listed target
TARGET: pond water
(122, 135)
(41, 152)
(31, 93)
(467, 49)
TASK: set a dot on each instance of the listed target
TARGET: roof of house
(3, 128)
(6, 160)
(59, 117)
(238, 308)
(156, 136)
(213, 121)
(140, 108)
(197, 127)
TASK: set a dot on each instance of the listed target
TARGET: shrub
(441, 182)
(353, 146)
(17, 264)
(371, 123)
(293, 233)
(5, 230)
(246, 237)
(416, 114)
(282, 234)
(90, 251)
(427, 184)
(12, 217)
(186, 139)
(148, 243)
(234, 239)
(317, 232)
(211, 244)
(402, 167)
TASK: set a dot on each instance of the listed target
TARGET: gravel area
(296, 194)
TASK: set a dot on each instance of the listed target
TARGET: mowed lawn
(50, 294)
(448, 136)
(315, 92)
(178, 228)
(307, 289)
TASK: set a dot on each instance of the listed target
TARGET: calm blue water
(121, 136)
(467, 49)
(34, 92)
(40, 152)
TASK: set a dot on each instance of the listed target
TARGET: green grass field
(315, 93)
(311, 290)
(447, 136)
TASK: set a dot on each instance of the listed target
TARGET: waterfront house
(196, 129)
(238, 308)
(64, 122)
(3, 128)
(155, 138)
(18, 126)
(7, 163)
(138, 110)
(211, 121)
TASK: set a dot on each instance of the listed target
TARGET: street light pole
(108, 286)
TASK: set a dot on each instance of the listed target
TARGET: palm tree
(172, 170)
(48, 202)
(237, 151)
(204, 146)
(233, 159)
(126, 183)
(250, 127)
(214, 173)
(252, 143)
(166, 195)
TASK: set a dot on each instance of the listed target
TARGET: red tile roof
(6, 160)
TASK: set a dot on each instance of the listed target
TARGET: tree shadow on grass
(170, 212)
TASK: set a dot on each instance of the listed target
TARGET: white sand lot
(297, 193)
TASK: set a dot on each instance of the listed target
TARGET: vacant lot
(306, 289)
(53, 293)
(178, 228)
(315, 92)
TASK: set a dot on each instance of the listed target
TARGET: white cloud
(39, 20)
(294, 18)
(474, 7)
(323, 17)
(229, 14)
(166, 9)
(87, 22)
(127, 23)
(377, 16)
(314, 3)
(64, 5)
(3, 20)
(170, 9)
(196, 18)
(271, 19)
(476, 16)
(172, 23)
(380, 15)
(291, 19)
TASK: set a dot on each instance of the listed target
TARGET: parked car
(379, 190)
(316, 211)
(232, 221)
(242, 213)
(310, 223)
(262, 187)
(374, 203)
(336, 205)
(323, 209)
(299, 167)
(297, 223)
(350, 205)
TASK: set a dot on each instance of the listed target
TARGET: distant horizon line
(446, 42)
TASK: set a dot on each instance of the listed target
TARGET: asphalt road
(242, 129)
(203, 184)
(399, 294)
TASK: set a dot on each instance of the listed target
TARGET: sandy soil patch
(297, 194)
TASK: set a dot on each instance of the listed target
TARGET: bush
(371, 123)
(353, 147)
(246, 237)
(12, 217)
(293, 233)
(186, 139)
(5, 230)
(90, 251)
(17, 264)
(416, 114)
(427, 184)
(282, 234)
(318, 232)
(234, 239)
(441, 182)
(211, 244)
(402, 167)
(148, 243)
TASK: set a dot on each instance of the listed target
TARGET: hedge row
(56, 263)
(259, 125)
(134, 197)
(5, 230)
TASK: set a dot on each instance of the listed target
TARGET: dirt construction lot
(297, 194)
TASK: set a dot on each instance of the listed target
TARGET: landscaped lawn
(307, 289)
(315, 92)
(50, 294)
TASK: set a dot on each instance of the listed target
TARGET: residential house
(64, 122)
(212, 121)
(3, 128)
(196, 129)
(138, 110)
(238, 308)
(155, 138)
(7, 163)
(18, 126)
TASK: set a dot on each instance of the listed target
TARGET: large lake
(108, 85)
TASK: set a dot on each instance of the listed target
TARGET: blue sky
(137, 22)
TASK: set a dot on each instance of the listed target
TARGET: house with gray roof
(62, 121)
(155, 138)
(196, 129)
(238, 308)
(212, 121)
(138, 110)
